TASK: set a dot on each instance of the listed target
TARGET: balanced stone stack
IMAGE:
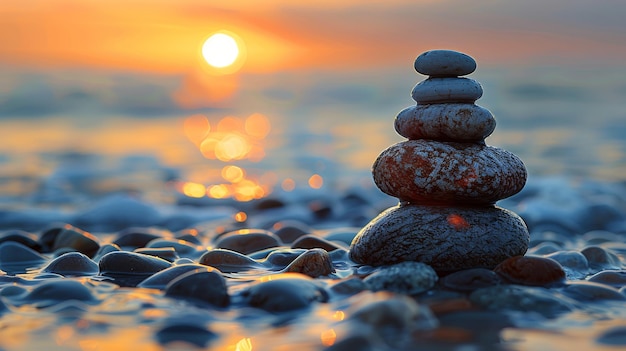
(446, 178)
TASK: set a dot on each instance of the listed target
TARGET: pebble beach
(131, 255)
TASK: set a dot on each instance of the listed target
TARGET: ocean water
(316, 129)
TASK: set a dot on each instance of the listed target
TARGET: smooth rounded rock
(313, 262)
(55, 291)
(72, 264)
(445, 122)
(246, 241)
(22, 237)
(432, 172)
(182, 247)
(76, 239)
(160, 279)
(531, 270)
(600, 258)
(446, 63)
(191, 333)
(574, 263)
(207, 286)
(469, 280)
(312, 242)
(447, 90)
(522, 298)
(166, 253)
(616, 279)
(130, 268)
(284, 292)
(136, 237)
(17, 258)
(281, 258)
(448, 239)
(590, 291)
(228, 261)
(404, 278)
(614, 336)
(290, 230)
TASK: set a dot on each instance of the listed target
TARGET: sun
(221, 50)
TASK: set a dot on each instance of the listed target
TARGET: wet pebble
(470, 279)
(207, 286)
(313, 262)
(130, 268)
(136, 237)
(160, 279)
(574, 263)
(17, 258)
(281, 258)
(600, 258)
(290, 230)
(182, 247)
(349, 286)
(166, 253)
(531, 270)
(228, 261)
(615, 336)
(246, 241)
(76, 239)
(72, 264)
(23, 237)
(596, 237)
(616, 279)
(312, 242)
(405, 278)
(342, 235)
(591, 291)
(544, 248)
(284, 292)
(55, 291)
(186, 329)
(522, 298)
(105, 249)
(484, 327)
(392, 318)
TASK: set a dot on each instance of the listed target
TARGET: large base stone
(448, 239)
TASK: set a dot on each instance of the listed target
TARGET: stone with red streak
(432, 172)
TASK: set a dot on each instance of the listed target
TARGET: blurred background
(140, 96)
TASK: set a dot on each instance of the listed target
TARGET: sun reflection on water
(228, 141)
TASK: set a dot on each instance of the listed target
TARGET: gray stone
(432, 172)
(446, 90)
(444, 63)
(445, 122)
(447, 238)
(524, 299)
(404, 278)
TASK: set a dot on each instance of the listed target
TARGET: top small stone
(444, 63)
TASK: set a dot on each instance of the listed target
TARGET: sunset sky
(107, 49)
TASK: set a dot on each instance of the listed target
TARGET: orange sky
(165, 36)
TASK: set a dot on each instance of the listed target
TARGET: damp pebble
(281, 258)
(136, 237)
(614, 336)
(591, 291)
(54, 291)
(105, 249)
(284, 292)
(349, 286)
(531, 270)
(23, 237)
(76, 239)
(616, 279)
(392, 318)
(166, 253)
(312, 242)
(522, 298)
(228, 261)
(574, 263)
(130, 268)
(246, 241)
(72, 264)
(600, 258)
(313, 262)
(17, 258)
(160, 279)
(182, 247)
(290, 230)
(208, 286)
(405, 277)
(185, 330)
(469, 280)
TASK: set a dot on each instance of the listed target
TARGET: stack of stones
(446, 178)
